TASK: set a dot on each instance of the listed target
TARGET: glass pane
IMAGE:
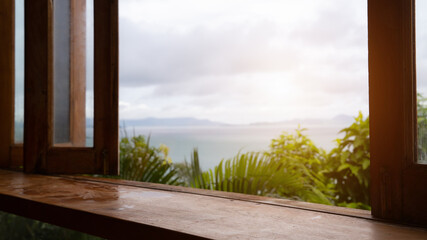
(19, 71)
(20, 228)
(421, 63)
(73, 72)
(62, 71)
(89, 72)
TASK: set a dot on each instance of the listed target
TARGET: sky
(243, 61)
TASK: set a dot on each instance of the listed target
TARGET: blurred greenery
(422, 128)
(347, 166)
(14, 227)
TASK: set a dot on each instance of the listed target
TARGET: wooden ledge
(117, 209)
(234, 196)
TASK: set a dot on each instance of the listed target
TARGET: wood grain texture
(119, 211)
(234, 196)
(37, 75)
(78, 73)
(106, 130)
(7, 78)
(395, 177)
(386, 84)
(70, 160)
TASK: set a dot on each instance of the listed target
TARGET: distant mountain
(188, 121)
(175, 122)
(337, 120)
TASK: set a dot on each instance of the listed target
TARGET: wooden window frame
(40, 154)
(76, 104)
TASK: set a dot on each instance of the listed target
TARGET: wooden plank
(78, 72)
(235, 196)
(7, 76)
(37, 76)
(106, 124)
(87, 222)
(70, 160)
(126, 212)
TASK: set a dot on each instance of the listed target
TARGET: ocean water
(215, 143)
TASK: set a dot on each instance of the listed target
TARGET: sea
(215, 143)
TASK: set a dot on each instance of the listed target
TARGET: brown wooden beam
(38, 65)
(397, 184)
(106, 86)
(7, 78)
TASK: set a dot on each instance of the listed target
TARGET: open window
(68, 45)
(57, 66)
(397, 178)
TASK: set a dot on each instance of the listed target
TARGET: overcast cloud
(245, 61)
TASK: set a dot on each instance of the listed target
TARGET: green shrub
(347, 166)
(141, 162)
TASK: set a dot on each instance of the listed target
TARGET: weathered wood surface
(236, 196)
(126, 212)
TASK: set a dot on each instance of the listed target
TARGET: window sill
(118, 209)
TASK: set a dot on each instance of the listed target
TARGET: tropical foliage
(141, 162)
(295, 168)
(347, 166)
(250, 173)
(300, 156)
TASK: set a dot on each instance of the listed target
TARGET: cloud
(151, 57)
(213, 65)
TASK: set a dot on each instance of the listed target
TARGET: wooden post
(38, 65)
(7, 78)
